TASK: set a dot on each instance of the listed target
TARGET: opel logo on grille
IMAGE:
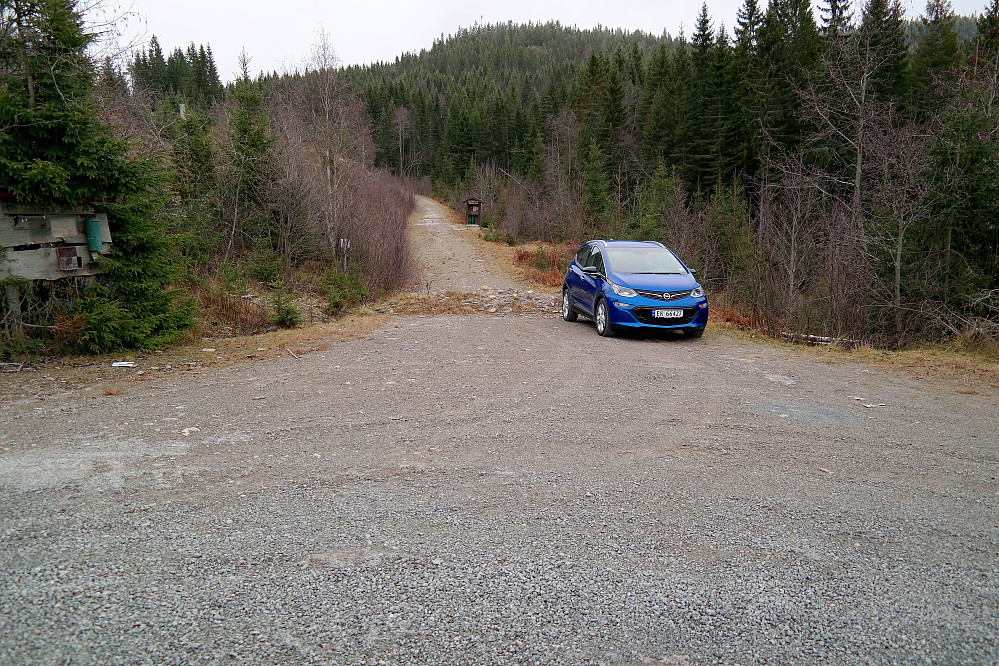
(667, 296)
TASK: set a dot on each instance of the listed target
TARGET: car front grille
(646, 316)
(663, 295)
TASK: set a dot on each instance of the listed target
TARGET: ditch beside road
(501, 489)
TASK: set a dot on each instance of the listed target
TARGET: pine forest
(828, 171)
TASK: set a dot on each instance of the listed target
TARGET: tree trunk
(949, 236)
(859, 164)
(25, 60)
(897, 286)
(235, 217)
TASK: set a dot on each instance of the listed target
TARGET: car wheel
(693, 332)
(601, 317)
(567, 312)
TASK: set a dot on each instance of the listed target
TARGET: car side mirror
(591, 270)
(692, 271)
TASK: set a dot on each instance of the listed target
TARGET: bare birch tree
(899, 202)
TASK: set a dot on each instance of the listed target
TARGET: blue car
(633, 284)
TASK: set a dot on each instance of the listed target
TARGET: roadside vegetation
(234, 208)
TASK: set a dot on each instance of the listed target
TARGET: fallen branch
(819, 340)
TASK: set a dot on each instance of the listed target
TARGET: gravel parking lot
(501, 489)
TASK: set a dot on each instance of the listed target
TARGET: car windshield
(657, 260)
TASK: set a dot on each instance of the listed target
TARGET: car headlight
(698, 292)
(623, 291)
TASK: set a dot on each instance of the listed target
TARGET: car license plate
(667, 314)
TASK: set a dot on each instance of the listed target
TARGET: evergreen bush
(284, 312)
(263, 264)
(342, 289)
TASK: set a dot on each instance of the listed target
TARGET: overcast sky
(279, 35)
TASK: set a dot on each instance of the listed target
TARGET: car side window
(583, 255)
(597, 260)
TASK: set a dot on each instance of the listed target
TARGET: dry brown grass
(550, 279)
(447, 303)
(221, 313)
(955, 361)
(973, 366)
(543, 265)
(959, 360)
(281, 342)
(722, 314)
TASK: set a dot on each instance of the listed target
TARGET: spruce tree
(836, 19)
(682, 117)
(55, 153)
(743, 130)
(961, 233)
(247, 166)
(654, 111)
(596, 191)
(612, 114)
(790, 49)
(934, 60)
(882, 23)
(53, 150)
(704, 139)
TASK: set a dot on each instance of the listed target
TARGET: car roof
(625, 243)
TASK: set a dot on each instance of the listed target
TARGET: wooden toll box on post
(49, 244)
(473, 208)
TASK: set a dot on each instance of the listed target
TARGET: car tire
(568, 313)
(693, 332)
(601, 317)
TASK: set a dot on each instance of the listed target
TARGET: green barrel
(94, 243)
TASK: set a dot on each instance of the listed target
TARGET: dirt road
(490, 489)
(446, 258)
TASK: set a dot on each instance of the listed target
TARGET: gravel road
(487, 489)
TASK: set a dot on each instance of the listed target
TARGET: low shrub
(284, 312)
(263, 264)
(342, 289)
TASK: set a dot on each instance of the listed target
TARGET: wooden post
(14, 306)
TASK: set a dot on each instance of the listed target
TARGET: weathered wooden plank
(38, 229)
(43, 263)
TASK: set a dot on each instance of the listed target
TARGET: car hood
(652, 282)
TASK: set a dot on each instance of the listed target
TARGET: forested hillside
(834, 177)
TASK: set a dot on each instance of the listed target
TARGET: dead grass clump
(722, 313)
(546, 278)
(545, 263)
(523, 255)
(447, 303)
(66, 330)
(224, 314)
